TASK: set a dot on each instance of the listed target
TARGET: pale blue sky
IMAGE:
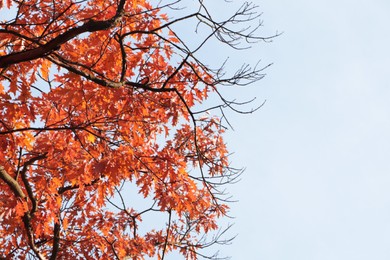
(318, 153)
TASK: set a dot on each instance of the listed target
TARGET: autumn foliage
(101, 97)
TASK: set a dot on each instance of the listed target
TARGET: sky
(317, 154)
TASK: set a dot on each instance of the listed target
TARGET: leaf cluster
(97, 94)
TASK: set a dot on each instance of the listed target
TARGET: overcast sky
(317, 184)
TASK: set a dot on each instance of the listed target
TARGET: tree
(99, 97)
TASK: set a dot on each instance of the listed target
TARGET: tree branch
(167, 235)
(12, 183)
(56, 241)
(30, 235)
(27, 184)
(43, 50)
